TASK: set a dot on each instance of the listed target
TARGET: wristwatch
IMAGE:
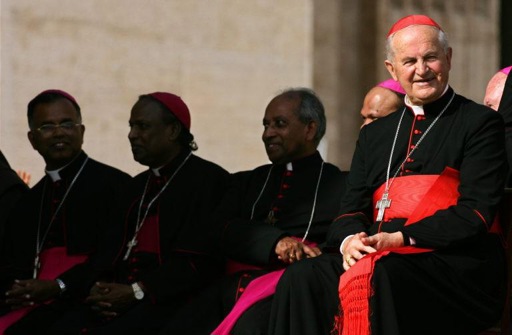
(137, 291)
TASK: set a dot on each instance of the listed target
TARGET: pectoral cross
(382, 204)
(37, 265)
(129, 245)
(271, 219)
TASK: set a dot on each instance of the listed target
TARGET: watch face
(137, 291)
(139, 295)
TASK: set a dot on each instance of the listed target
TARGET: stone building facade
(226, 58)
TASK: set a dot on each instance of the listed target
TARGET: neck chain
(40, 240)
(314, 199)
(140, 222)
(385, 202)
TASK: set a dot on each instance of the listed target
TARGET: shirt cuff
(343, 243)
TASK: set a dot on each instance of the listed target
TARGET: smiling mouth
(59, 145)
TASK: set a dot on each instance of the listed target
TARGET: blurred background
(226, 59)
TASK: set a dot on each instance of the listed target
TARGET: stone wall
(225, 58)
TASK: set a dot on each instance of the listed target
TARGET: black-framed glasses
(68, 126)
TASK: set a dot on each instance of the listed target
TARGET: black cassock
(11, 190)
(175, 254)
(77, 226)
(505, 109)
(261, 207)
(458, 288)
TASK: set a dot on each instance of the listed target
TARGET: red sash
(355, 284)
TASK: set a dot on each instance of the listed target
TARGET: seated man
(417, 221)
(275, 215)
(55, 227)
(383, 99)
(162, 242)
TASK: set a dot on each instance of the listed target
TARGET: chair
(505, 215)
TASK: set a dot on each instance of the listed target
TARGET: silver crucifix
(382, 204)
(130, 245)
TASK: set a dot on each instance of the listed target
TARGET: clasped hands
(110, 299)
(356, 246)
(290, 250)
(29, 292)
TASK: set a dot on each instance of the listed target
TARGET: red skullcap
(61, 93)
(175, 105)
(393, 85)
(506, 70)
(413, 20)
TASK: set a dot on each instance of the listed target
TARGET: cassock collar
(304, 163)
(432, 108)
(168, 169)
(69, 170)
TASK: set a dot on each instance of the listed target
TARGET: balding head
(494, 90)
(380, 102)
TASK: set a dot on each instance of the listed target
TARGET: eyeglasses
(47, 129)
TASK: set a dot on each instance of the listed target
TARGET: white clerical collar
(418, 109)
(55, 174)
(156, 171)
(289, 166)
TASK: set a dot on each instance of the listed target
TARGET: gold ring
(291, 255)
(348, 258)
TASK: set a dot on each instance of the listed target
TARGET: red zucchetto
(412, 20)
(175, 105)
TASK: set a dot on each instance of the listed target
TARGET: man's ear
(174, 131)
(30, 136)
(311, 130)
(391, 69)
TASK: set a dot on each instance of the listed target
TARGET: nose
(268, 132)
(422, 68)
(132, 134)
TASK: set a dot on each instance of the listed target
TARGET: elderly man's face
(420, 63)
(286, 138)
(494, 90)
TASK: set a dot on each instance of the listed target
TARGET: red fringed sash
(355, 285)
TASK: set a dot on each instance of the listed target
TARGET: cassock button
(275, 208)
(286, 186)
(416, 131)
(410, 160)
(241, 289)
(412, 146)
(280, 196)
(288, 173)
(130, 278)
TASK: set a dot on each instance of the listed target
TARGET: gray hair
(441, 36)
(310, 109)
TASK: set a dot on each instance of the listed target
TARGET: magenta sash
(257, 290)
(54, 262)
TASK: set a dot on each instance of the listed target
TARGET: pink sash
(54, 262)
(257, 290)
